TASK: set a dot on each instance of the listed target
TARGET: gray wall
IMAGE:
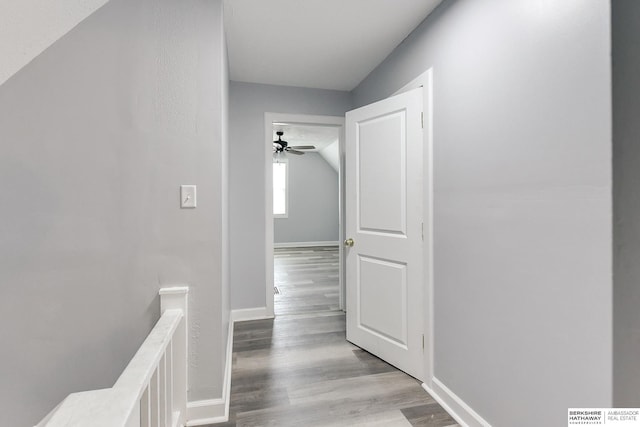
(247, 105)
(522, 153)
(97, 134)
(313, 202)
(626, 201)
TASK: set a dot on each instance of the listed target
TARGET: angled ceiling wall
(30, 26)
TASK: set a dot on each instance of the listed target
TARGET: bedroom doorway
(304, 218)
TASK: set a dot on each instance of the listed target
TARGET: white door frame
(425, 80)
(269, 119)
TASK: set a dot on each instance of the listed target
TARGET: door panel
(381, 177)
(391, 323)
(384, 218)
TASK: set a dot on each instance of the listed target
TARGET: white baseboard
(258, 313)
(456, 407)
(226, 388)
(201, 412)
(305, 244)
(213, 411)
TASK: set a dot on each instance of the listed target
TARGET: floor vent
(276, 290)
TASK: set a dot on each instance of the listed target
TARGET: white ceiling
(299, 134)
(326, 44)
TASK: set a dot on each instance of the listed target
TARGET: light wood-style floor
(299, 370)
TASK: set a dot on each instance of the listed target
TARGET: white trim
(211, 411)
(428, 216)
(305, 244)
(454, 405)
(268, 216)
(425, 80)
(177, 298)
(176, 290)
(258, 313)
(342, 281)
(226, 388)
(202, 412)
(269, 119)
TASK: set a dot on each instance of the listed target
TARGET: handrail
(151, 391)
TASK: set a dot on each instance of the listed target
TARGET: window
(280, 200)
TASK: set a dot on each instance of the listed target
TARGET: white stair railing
(152, 390)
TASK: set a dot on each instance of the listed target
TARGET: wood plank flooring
(299, 370)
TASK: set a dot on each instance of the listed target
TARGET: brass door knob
(349, 242)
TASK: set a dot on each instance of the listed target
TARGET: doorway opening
(306, 281)
(304, 218)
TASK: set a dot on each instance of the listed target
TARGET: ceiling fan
(281, 146)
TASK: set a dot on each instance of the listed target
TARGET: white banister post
(176, 298)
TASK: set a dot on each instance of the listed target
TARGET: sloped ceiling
(28, 27)
(298, 134)
(324, 138)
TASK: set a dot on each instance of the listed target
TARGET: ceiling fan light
(278, 156)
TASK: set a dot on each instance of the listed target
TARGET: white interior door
(384, 222)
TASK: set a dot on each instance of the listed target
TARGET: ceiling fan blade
(304, 147)
(292, 151)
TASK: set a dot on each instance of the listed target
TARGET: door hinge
(423, 341)
(422, 231)
(422, 119)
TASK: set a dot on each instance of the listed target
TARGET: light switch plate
(187, 196)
